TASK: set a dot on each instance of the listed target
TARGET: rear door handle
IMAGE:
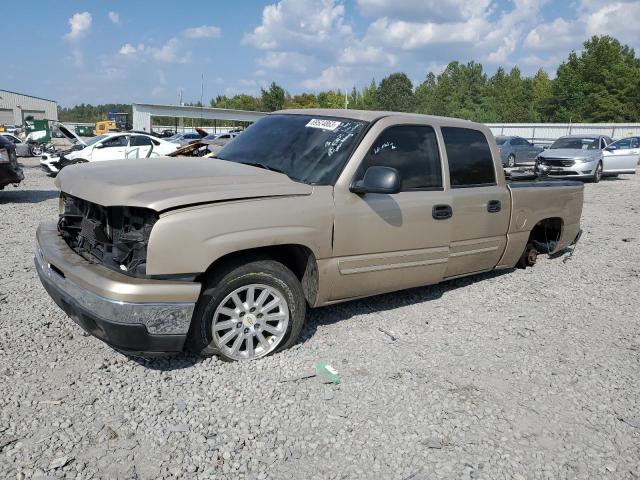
(442, 212)
(494, 206)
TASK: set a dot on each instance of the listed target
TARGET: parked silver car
(575, 156)
(23, 149)
(516, 150)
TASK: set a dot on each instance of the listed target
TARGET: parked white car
(111, 146)
(622, 156)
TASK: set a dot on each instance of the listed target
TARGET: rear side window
(470, 160)
(410, 149)
(140, 141)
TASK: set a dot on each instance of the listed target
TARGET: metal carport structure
(142, 113)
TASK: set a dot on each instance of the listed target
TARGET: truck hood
(569, 153)
(166, 183)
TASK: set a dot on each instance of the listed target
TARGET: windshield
(93, 140)
(501, 140)
(576, 143)
(306, 148)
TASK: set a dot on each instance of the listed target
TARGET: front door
(390, 242)
(481, 206)
(113, 148)
(622, 155)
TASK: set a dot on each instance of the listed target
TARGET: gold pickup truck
(306, 208)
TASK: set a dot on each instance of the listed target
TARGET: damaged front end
(116, 237)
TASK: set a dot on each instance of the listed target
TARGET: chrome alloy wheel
(250, 322)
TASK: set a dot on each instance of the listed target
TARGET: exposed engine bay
(116, 237)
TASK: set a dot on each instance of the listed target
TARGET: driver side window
(119, 141)
(410, 149)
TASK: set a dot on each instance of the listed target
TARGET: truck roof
(370, 115)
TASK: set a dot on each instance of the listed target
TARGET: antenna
(201, 95)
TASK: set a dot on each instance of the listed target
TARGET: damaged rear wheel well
(545, 235)
(298, 258)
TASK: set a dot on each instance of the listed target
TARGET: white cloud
(285, 61)
(335, 77)
(80, 24)
(300, 25)
(128, 49)
(361, 54)
(430, 11)
(594, 17)
(204, 31)
(114, 17)
(554, 35)
(172, 52)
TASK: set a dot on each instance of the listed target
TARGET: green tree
(601, 84)
(331, 99)
(273, 98)
(395, 93)
(427, 101)
(304, 100)
(507, 98)
(541, 96)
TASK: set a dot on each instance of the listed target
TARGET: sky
(94, 52)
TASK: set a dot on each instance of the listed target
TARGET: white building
(15, 107)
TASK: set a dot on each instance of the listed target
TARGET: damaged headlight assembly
(116, 237)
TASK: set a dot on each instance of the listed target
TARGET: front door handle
(442, 212)
(494, 206)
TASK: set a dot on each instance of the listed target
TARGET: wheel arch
(300, 259)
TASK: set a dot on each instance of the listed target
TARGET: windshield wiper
(270, 168)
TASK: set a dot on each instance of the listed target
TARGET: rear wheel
(528, 257)
(511, 161)
(247, 311)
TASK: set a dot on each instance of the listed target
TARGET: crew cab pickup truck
(306, 208)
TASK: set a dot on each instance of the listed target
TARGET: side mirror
(611, 148)
(99, 145)
(378, 180)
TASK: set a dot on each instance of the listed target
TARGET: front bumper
(131, 314)
(580, 170)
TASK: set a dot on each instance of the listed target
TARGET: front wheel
(597, 173)
(511, 161)
(247, 311)
(36, 150)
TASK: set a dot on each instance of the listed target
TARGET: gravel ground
(523, 374)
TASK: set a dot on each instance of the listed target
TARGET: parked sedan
(111, 146)
(23, 149)
(186, 138)
(622, 156)
(575, 156)
(516, 150)
(10, 170)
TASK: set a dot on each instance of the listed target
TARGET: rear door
(481, 202)
(390, 242)
(140, 146)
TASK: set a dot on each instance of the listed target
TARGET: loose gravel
(525, 374)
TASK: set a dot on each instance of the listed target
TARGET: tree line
(599, 84)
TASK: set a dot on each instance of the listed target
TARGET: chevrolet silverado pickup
(306, 208)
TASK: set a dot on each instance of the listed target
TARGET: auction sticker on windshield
(323, 124)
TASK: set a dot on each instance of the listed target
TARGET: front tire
(511, 161)
(247, 311)
(597, 173)
(36, 150)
